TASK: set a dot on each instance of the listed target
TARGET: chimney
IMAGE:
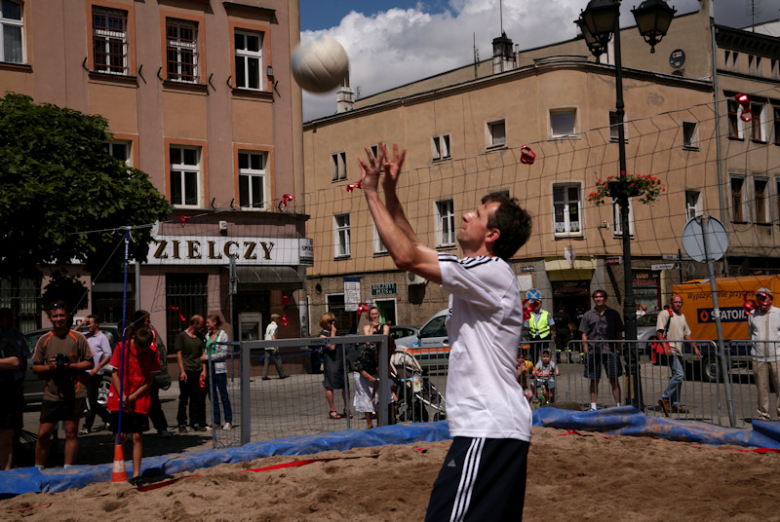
(503, 57)
(345, 96)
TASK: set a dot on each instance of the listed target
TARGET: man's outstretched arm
(407, 255)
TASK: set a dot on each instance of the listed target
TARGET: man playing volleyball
(484, 472)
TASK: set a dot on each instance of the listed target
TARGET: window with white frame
(339, 163)
(379, 247)
(109, 40)
(738, 199)
(567, 206)
(11, 26)
(341, 235)
(562, 122)
(616, 218)
(496, 133)
(690, 135)
(692, 203)
(735, 122)
(445, 223)
(614, 124)
(120, 150)
(251, 179)
(761, 198)
(440, 147)
(758, 123)
(182, 50)
(249, 60)
(185, 176)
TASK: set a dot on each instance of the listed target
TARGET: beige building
(199, 95)
(465, 131)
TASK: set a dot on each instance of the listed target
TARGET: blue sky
(394, 42)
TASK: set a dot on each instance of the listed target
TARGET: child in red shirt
(140, 365)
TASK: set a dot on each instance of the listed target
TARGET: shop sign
(527, 268)
(351, 294)
(665, 266)
(198, 250)
(381, 289)
(613, 260)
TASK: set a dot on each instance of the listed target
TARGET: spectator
(189, 348)
(764, 327)
(216, 354)
(61, 357)
(671, 324)
(13, 360)
(272, 352)
(602, 323)
(546, 369)
(142, 319)
(101, 354)
(137, 364)
(562, 333)
(524, 369)
(540, 325)
(640, 311)
(365, 371)
(333, 364)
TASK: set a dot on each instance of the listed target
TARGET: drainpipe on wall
(718, 152)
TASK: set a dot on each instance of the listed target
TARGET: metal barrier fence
(718, 388)
(295, 405)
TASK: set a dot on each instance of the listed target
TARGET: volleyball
(319, 64)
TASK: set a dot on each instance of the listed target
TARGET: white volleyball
(319, 64)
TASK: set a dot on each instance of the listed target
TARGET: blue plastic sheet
(627, 421)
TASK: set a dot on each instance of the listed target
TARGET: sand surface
(571, 478)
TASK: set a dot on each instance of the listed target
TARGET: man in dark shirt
(189, 347)
(602, 323)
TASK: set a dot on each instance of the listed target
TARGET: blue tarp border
(626, 420)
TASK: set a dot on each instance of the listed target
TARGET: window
(761, 192)
(562, 123)
(496, 133)
(339, 161)
(185, 176)
(120, 150)
(690, 135)
(445, 223)
(735, 123)
(727, 55)
(735, 62)
(182, 48)
(109, 40)
(249, 60)
(777, 125)
(751, 64)
(692, 203)
(11, 29)
(773, 72)
(737, 195)
(758, 71)
(341, 228)
(614, 124)
(379, 247)
(251, 179)
(616, 218)
(568, 209)
(758, 124)
(375, 150)
(440, 146)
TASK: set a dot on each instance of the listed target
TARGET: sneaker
(593, 409)
(208, 428)
(266, 378)
(84, 431)
(136, 481)
(199, 428)
(182, 429)
(227, 426)
(664, 404)
(164, 434)
(678, 409)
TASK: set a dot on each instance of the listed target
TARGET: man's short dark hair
(94, 318)
(56, 305)
(512, 221)
(600, 291)
(143, 337)
(545, 352)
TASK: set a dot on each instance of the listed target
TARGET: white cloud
(399, 46)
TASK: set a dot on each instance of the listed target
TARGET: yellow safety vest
(542, 329)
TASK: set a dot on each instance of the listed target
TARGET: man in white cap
(764, 327)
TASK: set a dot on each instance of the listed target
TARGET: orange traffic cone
(119, 474)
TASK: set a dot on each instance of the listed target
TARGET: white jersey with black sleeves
(484, 398)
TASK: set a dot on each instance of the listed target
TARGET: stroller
(416, 393)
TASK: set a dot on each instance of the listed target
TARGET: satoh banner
(191, 250)
(727, 315)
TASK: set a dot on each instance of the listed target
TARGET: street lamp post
(599, 22)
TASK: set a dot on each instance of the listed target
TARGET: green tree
(60, 185)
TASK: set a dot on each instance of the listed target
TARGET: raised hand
(371, 168)
(392, 168)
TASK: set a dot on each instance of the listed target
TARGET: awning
(267, 275)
